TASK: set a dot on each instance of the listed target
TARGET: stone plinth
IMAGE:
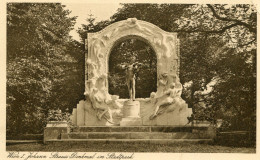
(80, 113)
(175, 114)
(57, 124)
(131, 114)
(139, 134)
(131, 109)
(74, 116)
(54, 129)
(131, 121)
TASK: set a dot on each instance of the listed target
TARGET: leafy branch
(237, 22)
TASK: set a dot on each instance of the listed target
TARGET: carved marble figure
(168, 98)
(162, 84)
(99, 104)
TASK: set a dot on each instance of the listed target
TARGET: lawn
(128, 147)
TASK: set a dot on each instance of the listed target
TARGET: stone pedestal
(74, 116)
(80, 113)
(54, 129)
(131, 114)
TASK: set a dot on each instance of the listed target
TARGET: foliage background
(45, 66)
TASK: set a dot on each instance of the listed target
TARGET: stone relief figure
(98, 103)
(152, 99)
(101, 84)
(95, 55)
(101, 100)
(115, 107)
(131, 23)
(105, 105)
(172, 78)
(92, 69)
(168, 98)
(114, 103)
(162, 84)
(89, 87)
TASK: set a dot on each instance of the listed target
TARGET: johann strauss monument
(165, 107)
(163, 117)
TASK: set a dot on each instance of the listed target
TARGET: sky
(101, 11)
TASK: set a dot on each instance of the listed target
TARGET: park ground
(127, 147)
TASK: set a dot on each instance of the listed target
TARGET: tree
(91, 27)
(40, 55)
(232, 29)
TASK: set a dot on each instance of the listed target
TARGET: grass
(128, 147)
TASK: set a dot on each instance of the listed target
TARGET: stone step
(22, 141)
(112, 129)
(139, 129)
(135, 135)
(149, 141)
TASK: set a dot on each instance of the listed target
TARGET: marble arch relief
(165, 107)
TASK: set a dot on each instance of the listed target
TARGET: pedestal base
(131, 121)
(131, 113)
(175, 114)
(131, 109)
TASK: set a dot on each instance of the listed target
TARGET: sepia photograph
(111, 80)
